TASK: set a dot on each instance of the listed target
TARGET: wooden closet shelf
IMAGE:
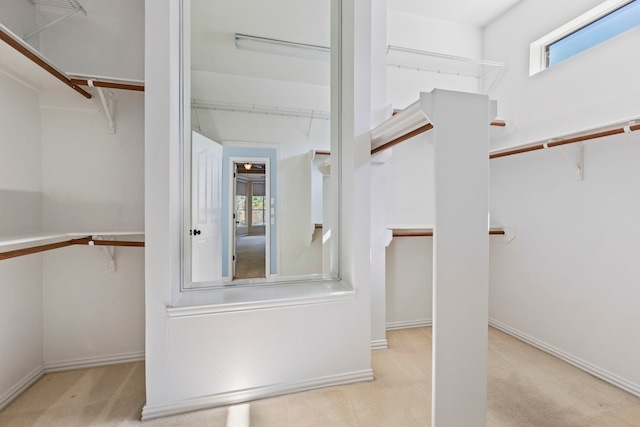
(31, 245)
(28, 64)
(428, 232)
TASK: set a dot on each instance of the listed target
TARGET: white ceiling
(214, 24)
(471, 12)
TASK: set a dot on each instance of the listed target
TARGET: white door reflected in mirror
(206, 223)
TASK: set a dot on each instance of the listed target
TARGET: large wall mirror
(260, 195)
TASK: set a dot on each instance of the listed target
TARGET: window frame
(538, 49)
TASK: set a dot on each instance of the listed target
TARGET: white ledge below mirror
(257, 297)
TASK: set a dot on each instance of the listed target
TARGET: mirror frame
(186, 285)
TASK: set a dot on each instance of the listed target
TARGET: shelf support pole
(460, 256)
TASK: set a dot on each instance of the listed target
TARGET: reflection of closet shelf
(260, 109)
(422, 60)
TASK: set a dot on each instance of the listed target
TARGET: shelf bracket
(108, 251)
(108, 104)
(75, 8)
(578, 162)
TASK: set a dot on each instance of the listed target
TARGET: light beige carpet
(250, 253)
(526, 388)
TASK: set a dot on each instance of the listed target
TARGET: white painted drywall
(569, 279)
(434, 35)
(21, 18)
(325, 339)
(409, 277)
(20, 153)
(592, 88)
(108, 41)
(21, 328)
(92, 181)
(21, 213)
(90, 313)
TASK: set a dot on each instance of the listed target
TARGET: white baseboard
(21, 386)
(379, 344)
(93, 362)
(392, 326)
(575, 361)
(222, 399)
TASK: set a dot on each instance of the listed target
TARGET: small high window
(606, 21)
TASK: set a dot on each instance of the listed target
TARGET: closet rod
(418, 131)
(80, 241)
(30, 54)
(107, 84)
(570, 140)
(94, 242)
(402, 138)
(34, 249)
(429, 233)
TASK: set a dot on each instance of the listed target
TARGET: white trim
(263, 296)
(93, 362)
(569, 358)
(392, 326)
(537, 49)
(379, 344)
(205, 402)
(22, 385)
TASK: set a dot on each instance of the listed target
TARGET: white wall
(21, 18)
(90, 313)
(20, 163)
(409, 296)
(20, 213)
(306, 337)
(411, 186)
(108, 41)
(433, 35)
(92, 181)
(569, 279)
(592, 88)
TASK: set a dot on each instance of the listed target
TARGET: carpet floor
(527, 387)
(250, 257)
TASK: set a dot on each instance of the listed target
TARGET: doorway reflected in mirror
(250, 215)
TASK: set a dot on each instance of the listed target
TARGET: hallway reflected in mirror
(250, 257)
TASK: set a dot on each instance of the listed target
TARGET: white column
(460, 257)
(379, 241)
